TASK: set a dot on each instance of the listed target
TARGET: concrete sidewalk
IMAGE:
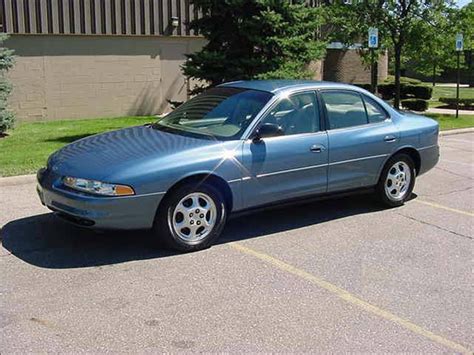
(445, 111)
(452, 85)
(17, 180)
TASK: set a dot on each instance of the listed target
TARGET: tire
(397, 180)
(191, 218)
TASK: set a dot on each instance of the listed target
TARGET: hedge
(451, 102)
(415, 104)
(409, 88)
(420, 91)
(387, 91)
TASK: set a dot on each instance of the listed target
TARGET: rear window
(374, 111)
(344, 109)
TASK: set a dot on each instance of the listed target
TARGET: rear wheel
(397, 180)
(191, 218)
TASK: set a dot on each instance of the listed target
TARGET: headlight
(97, 187)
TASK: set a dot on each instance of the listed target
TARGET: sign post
(373, 44)
(459, 49)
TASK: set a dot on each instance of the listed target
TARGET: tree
(432, 49)
(397, 23)
(464, 23)
(7, 118)
(254, 39)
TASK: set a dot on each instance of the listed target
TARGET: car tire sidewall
(166, 233)
(381, 185)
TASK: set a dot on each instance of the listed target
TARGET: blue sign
(373, 37)
(459, 42)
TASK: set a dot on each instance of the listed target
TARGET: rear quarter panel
(421, 133)
(417, 130)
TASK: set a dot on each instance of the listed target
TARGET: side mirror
(268, 130)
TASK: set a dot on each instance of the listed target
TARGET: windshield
(221, 113)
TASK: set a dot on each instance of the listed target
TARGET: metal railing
(98, 17)
(101, 17)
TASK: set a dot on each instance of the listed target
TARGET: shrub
(419, 91)
(387, 90)
(415, 104)
(7, 118)
(364, 86)
(404, 91)
(451, 102)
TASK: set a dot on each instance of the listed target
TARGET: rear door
(361, 136)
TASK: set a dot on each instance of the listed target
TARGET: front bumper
(127, 212)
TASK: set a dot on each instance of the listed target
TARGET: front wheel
(397, 180)
(191, 218)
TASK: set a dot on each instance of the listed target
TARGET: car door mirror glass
(268, 130)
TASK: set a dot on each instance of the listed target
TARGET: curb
(17, 180)
(456, 131)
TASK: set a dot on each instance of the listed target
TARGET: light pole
(459, 48)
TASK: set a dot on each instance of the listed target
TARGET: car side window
(295, 114)
(374, 111)
(344, 109)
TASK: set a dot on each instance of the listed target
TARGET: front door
(293, 164)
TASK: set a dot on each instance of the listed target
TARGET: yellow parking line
(348, 297)
(435, 205)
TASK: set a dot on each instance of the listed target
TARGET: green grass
(447, 122)
(27, 147)
(442, 91)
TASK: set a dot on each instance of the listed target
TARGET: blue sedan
(235, 147)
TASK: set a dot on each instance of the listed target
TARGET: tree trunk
(398, 59)
(434, 73)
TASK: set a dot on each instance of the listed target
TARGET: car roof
(284, 87)
(277, 86)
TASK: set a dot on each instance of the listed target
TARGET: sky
(462, 3)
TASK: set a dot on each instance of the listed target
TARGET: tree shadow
(71, 138)
(451, 107)
(49, 242)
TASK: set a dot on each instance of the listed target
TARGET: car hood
(101, 156)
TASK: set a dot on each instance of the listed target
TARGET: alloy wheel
(398, 180)
(194, 217)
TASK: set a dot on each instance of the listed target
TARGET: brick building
(107, 58)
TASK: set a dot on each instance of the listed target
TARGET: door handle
(390, 139)
(317, 148)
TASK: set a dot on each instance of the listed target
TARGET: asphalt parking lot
(333, 276)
